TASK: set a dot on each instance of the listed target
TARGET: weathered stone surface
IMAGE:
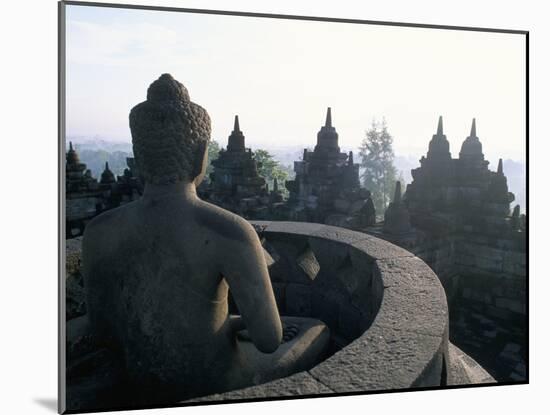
(73, 250)
(379, 249)
(464, 370)
(298, 300)
(75, 296)
(308, 263)
(342, 205)
(356, 206)
(402, 288)
(74, 283)
(300, 384)
(329, 254)
(298, 228)
(365, 364)
(336, 234)
(512, 305)
(350, 322)
(410, 285)
(411, 352)
(326, 307)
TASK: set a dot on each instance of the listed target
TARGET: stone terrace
(386, 310)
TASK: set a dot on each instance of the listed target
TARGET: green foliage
(379, 173)
(213, 154)
(270, 169)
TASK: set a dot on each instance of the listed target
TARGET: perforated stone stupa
(235, 183)
(87, 198)
(462, 227)
(326, 188)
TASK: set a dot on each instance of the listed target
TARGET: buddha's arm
(248, 278)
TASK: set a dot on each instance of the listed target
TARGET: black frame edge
(61, 197)
(292, 17)
(61, 307)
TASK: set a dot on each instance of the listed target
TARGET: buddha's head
(170, 134)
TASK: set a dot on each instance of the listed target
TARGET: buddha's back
(152, 269)
(157, 270)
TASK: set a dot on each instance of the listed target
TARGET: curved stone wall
(386, 310)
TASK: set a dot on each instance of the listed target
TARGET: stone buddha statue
(157, 272)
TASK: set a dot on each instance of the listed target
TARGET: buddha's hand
(236, 323)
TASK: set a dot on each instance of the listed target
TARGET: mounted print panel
(274, 207)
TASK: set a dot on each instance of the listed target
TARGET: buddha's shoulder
(225, 223)
(110, 221)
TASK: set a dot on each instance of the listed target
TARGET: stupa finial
(397, 194)
(440, 126)
(328, 121)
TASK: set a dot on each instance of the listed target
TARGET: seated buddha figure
(157, 272)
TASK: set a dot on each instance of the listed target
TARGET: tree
(379, 173)
(270, 169)
(213, 154)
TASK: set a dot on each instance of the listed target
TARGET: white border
(28, 173)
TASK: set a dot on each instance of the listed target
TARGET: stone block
(349, 323)
(337, 220)
(517, 377)
(339, 235)
(512, 348)
(329, 254)
(298, 300)
(356, 206)
(75, 296)
(326, 308)
(520, 270)
(307, 262)
(279, 289)
(73, 249)
(521, 369)
(410, 285)
(509, 304)
(498, 313)
(489, 264)
(342, 205)
(358, 286)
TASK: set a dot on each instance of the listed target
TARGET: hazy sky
(280, 75)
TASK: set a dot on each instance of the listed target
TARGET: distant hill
(95, 152)
(98, 143)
